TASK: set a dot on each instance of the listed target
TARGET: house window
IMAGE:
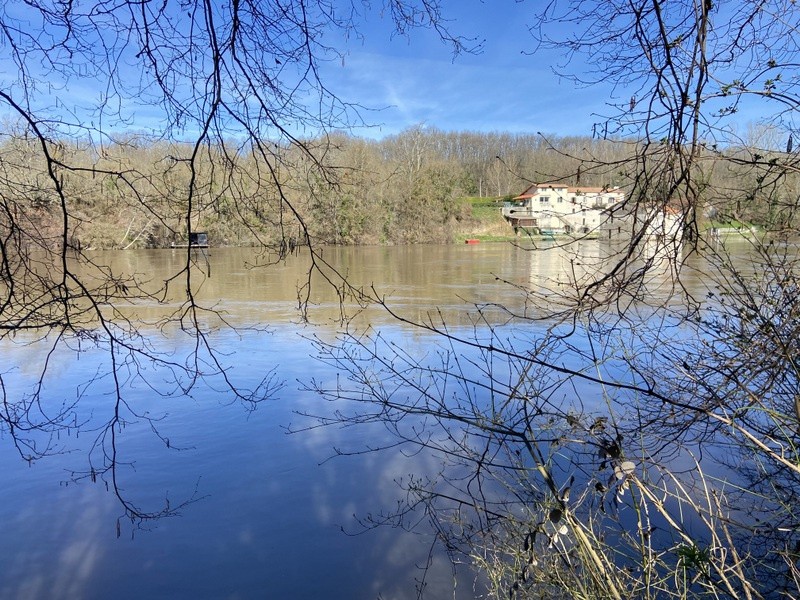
(544, 199)
(559, 200)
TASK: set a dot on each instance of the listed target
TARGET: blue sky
(506, 87)
(406, 80)
(417, 80)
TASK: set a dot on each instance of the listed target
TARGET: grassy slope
(487, 223)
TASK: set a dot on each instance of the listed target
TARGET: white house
(559, 208)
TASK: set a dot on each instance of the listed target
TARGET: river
(269, 514)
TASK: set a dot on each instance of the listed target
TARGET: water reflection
(270, 505)
(270, 518)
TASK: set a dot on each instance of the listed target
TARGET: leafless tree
(585, 440)
(232, 94)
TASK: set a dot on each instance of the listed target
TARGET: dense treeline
(406, 188)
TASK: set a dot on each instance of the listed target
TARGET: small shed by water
(197, 239)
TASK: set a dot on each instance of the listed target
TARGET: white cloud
(469, 94)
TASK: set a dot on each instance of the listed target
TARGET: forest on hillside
(135, 191)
